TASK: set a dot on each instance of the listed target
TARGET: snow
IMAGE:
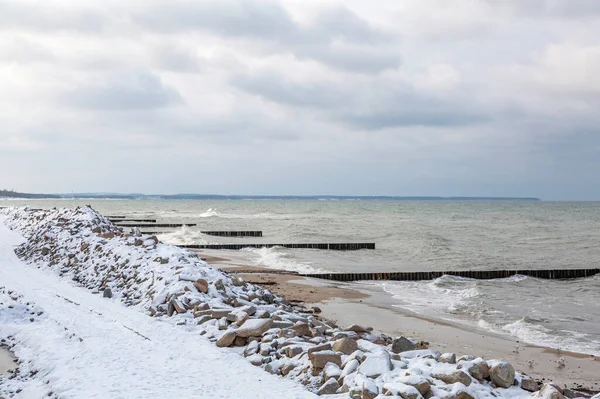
(86, 346)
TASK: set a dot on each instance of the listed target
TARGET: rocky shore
(283, 338)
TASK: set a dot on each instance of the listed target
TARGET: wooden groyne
(155, 224)
(122, 220)
(219, 233)
(474, 274)
(329, 247)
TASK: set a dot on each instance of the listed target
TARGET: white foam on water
(183, 236)
(279, 258)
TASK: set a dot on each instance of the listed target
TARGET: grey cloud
(125, 92)
(177, 59)
(556, 8)
(356, 59)
(45, 16)
(364, 106)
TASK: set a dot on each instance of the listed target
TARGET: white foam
(280, 259)
(183, 236)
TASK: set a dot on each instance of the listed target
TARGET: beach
(352, 303)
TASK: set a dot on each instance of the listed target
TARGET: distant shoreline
(101, 196)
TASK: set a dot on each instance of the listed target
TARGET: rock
(547, 392)
(402, 390)
(282, 324)
(364, 388)
(319, 348)
(220, 285)
(349, 368)
(287, 368)
(422, 353)
(320, 359)
(472, 368)
(273, 367)
(485, 369)
(251, 349)
(239, 341)
(241, 317)
(357, 329)
(45, 251)
(452, 378)
(107, 293)
(529, 384)
(179, 308)
(302, 329)
(502, 374)
(419, 382)
(226, 339)
(376, 364)
(293, 350)
(316, 310)
(254, 327)
(447, 358)
(402, 344)
(462, 394)
(345, 345)
(358, 355)
(329, 387)
(201, 285)
(331, 370)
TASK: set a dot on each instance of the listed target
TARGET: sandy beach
(349, 303)
(7, 361)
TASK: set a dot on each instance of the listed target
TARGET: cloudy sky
(386, 97)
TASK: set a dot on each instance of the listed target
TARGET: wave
(183, 236)
(281, 259)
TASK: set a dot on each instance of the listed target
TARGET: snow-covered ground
(86, 346)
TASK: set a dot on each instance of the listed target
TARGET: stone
(302, 329)
(349, 368)
(502, 374)
(239, 341)
(45, 251)
(447, 358)
(421, 353)
(332, 370)
(319, 348)
(402, 344)
(485, 369)
(256, 359)
(357, 329)
(462, 394)
(330, 387)
(251, 349)
(345, 345)
(316, 310)
(547, 392)
(419, 382)
(294, 350)
(201, 285)
(402, 390)
(376, 364)
(273, 367)
(529, 384)
(241, 317)
(472, 368)
(457, 376)
(254, 327)
(226, 339)
(287, 368)
(320, 359)
(107, 293)
(220, 285)
(179, 308)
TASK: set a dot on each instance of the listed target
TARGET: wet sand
(349, 303)
(7, 361)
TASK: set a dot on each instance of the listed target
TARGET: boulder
(529, 384)
(254, 327)
(239, 341)
(330, 387)
(447, 358)
(320, 359)
(319, 348)
(107, 293)
(345, 345)
(332, 370)
(419, 382)
(226, 339)
(502, 374)
(357, 329)
(349, 368)
(201, 285)
(421, 353)
(475, 369)
(547, 392)
(452, 378)
(402, 390)
(302, 329)
(462, 394)
(376, 364)
(293, 350)
(251, 349)
(402, 344)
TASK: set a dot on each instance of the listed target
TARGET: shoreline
(347, 303)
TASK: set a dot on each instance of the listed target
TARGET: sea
(417, 236)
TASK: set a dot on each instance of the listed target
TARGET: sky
(387, 97)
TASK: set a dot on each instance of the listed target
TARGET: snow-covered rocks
(175, 285)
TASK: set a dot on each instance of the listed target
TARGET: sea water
(420, 236)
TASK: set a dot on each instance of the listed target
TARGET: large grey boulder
(502, 374)
(254, 327)
(402, 344)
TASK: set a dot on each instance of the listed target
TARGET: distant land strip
(14, 194)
